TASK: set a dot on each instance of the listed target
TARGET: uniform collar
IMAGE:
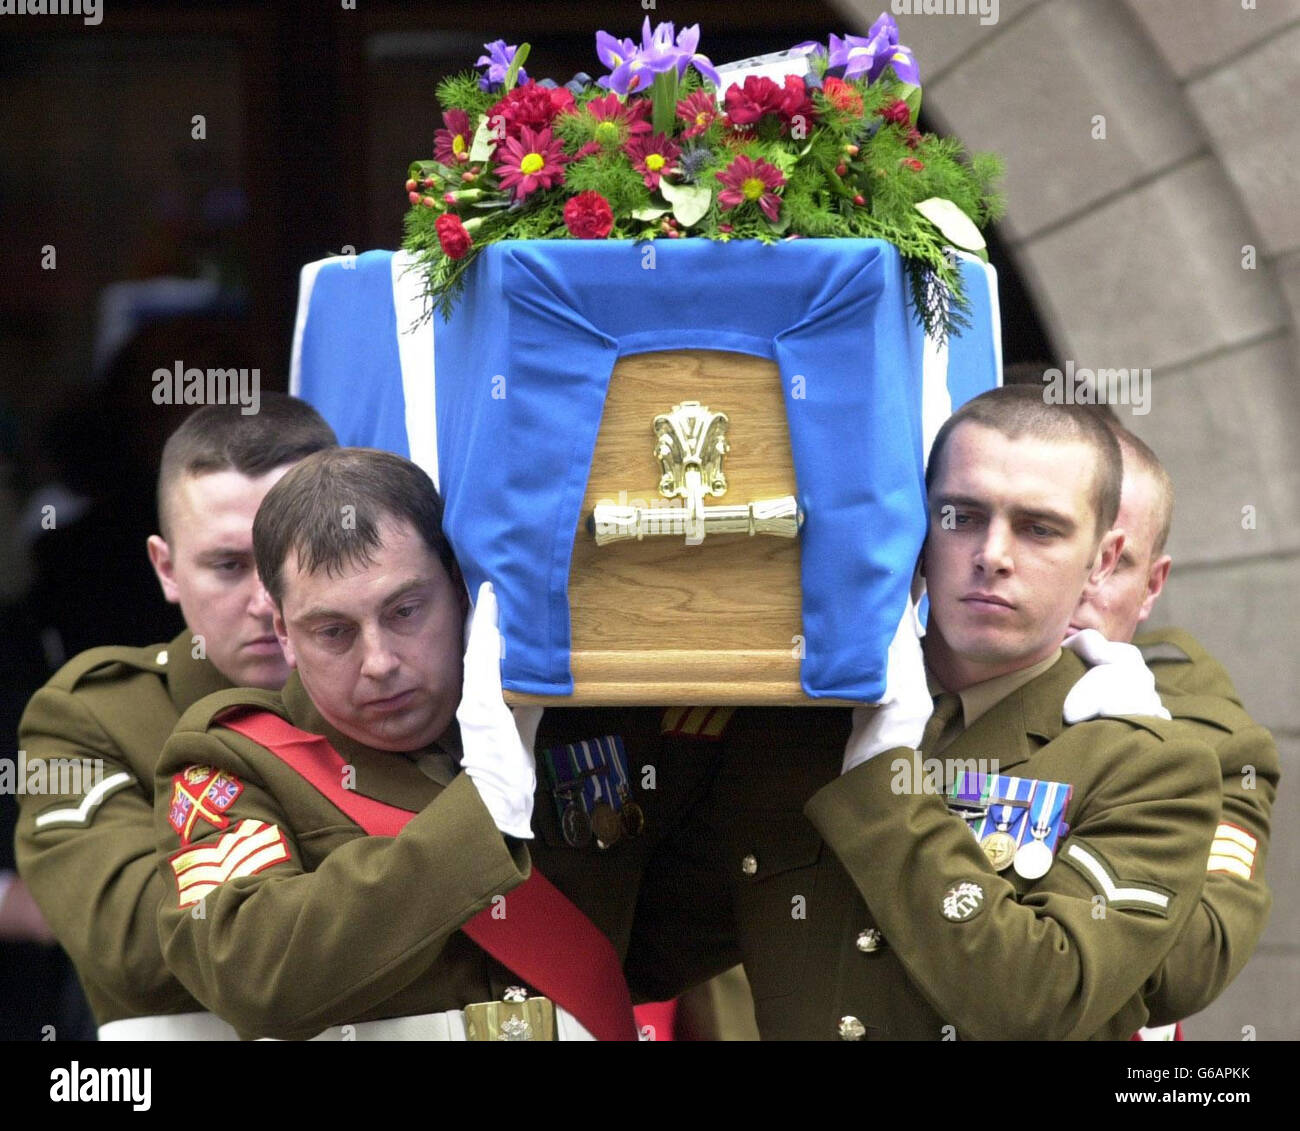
(1032, 710)
(189, 679)
(384, 775)
(980, 698)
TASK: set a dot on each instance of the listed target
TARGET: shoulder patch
(199, 792)
(82, 814)
(1123, 895)
(249, 848)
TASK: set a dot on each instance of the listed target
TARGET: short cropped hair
(220, 437)
(1139, 456)
(1020, 410)
(327, 512)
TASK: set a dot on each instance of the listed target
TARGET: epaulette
(1211, 709)
(149, 659)
(204, 714)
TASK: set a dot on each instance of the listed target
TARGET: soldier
(1224, 929)
(286, 914)
(93, 734)
(880, 914)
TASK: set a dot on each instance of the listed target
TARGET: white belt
(448, 1026)
(201, 1026)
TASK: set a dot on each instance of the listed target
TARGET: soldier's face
(378, 647)
(206, 566)
(1125, 599)
(1011, 547)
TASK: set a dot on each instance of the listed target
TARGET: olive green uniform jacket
(87, 854)
(332, 926)
(841, 907)
(1223, 931)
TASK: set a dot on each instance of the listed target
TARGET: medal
(1000, 848)
(575, 826)
(605, 824)
(1033, 859)
(633, 818)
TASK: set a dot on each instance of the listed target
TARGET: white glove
(498, 744)
(906, 708)
(1118, 681)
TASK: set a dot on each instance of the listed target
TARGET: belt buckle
(517, 1017)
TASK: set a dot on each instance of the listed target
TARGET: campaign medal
(1033, 859)
(575, 825)
(606, 825)
(1000, 846)
(631, 814)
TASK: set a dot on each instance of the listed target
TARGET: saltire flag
(501, 405)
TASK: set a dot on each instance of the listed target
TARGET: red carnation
(795, 103)
(843, 96)
(588, 216)
(746, 104)
(530, 105)
(453, 237)
(896, 112)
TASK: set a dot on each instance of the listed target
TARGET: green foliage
(854, 176)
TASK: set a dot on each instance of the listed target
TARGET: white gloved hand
(497, 743)
(906, 708)
(1118, 681)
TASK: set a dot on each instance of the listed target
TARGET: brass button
(851, 1029)
(870, 940)
(749, 865)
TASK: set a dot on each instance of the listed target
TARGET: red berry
(429, 202)
(428, 182)
(859, 200)
(410, 186)
(851, 150)
(467, 177)
(414, 197)
(841, 169)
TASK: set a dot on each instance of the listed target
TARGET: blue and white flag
(505, 400)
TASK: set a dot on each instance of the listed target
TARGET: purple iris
(869, 55)
(497, 60)
(633, 68)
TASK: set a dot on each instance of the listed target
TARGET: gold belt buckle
(517, 1017)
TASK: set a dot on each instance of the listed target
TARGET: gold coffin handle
(691, 442)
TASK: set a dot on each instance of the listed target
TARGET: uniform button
(870, 940)
(851, 1029)
(161, 658)
(749, 865)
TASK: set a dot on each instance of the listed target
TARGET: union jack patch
(251, 847)
(200, 792)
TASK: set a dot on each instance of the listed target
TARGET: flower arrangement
(663, 147)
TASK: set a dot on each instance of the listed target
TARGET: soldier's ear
(1104, 562)
(1156, 579)
(282, 634)
(160, 557)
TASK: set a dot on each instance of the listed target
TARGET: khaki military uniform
(870, 913)
(1224, 929)
(86, 849)
(318, 924)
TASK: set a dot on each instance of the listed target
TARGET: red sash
(544, 938)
